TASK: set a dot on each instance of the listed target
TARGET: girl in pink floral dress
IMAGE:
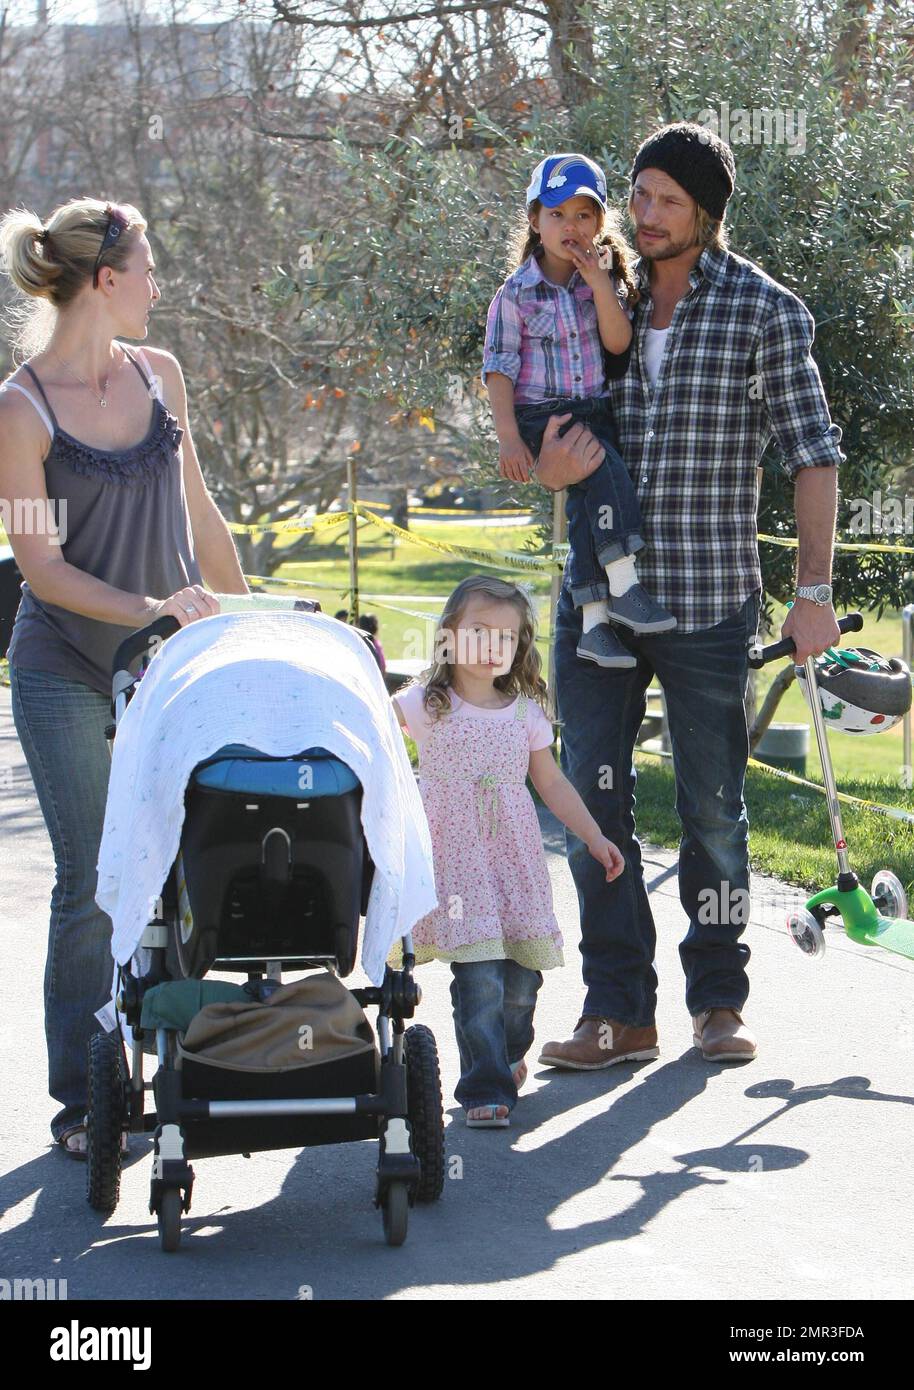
(478, 719)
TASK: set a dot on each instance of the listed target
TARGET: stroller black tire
(105, 1119)
(395, 1213)
(169, 1219)
(425, 1109)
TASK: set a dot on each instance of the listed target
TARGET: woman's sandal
(78, 1151)
(493, 1120)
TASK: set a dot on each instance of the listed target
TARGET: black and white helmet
(860, 691)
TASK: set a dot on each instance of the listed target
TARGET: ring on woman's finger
(190, 609)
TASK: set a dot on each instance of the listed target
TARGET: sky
(85, 11)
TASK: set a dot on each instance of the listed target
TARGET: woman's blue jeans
(61, 726)
(493, 1004)
(604, 517)
(704, 677)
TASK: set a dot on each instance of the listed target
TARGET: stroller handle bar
(759, 656)
(146, 640)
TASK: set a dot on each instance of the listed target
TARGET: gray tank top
(127, 523)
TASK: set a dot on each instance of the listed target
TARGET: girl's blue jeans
(604, 518)
(493, 1004)
(704, 676)
(61, 726)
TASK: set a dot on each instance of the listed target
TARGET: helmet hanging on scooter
(860, 691)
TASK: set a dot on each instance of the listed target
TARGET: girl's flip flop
(516, 1067)
(494, 1120)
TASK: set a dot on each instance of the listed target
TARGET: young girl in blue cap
(554, 329)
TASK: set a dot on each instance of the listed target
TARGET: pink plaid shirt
(545, 337)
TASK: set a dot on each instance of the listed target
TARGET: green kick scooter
(860, 692)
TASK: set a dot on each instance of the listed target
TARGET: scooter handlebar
(760, 656)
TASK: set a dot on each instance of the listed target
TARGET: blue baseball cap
(563, 176)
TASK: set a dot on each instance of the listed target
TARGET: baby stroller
(268, 879)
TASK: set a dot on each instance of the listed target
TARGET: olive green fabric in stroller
(308, 1023)
(175, 1003)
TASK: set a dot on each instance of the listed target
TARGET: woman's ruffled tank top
(122, 517)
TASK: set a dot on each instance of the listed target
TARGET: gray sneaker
(602, 645)
(638, 611)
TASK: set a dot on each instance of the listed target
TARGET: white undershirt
(654, 346)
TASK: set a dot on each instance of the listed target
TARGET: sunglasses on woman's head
(117, 223)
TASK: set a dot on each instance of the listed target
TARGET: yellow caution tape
(294, 525)
(894, 812)
(839, 545)
(542, 564)
(547, 563)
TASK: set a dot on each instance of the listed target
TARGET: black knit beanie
(696, 158)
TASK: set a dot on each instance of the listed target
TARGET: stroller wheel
(425, 1110)
(395, 1213)
(806, 932)
(105, 1118)
(169, 1219)
(888, 894)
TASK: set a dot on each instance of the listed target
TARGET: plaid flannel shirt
(545, 337)
(737, 374)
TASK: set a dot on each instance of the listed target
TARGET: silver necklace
(101, 398)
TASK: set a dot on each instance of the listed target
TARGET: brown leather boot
(723, 1036)
(601, 1042)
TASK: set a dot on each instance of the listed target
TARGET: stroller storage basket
(309, 1040)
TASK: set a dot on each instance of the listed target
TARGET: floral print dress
(494, 894)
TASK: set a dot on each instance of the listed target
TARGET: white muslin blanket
(280, 682)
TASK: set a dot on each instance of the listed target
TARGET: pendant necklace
(102, 399)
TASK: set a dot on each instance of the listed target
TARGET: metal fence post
(559, 530)
(907, 640)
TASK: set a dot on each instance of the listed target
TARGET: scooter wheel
(888, 894)
(806, 932)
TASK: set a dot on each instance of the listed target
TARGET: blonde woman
(111, 524)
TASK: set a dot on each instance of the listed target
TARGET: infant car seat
(273, 864)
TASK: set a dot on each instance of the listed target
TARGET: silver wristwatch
(818, 593)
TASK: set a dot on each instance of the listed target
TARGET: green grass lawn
(403, 568)
(415, 570)
(790, 834)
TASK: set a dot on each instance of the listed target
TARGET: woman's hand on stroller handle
(759, 656)
(171, 615)
(187, 605)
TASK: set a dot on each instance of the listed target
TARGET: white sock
(621, 575)
(593, 613)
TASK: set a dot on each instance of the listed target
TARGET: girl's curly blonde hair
(524, 677)
(524, 242)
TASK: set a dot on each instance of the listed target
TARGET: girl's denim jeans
(493, 1004)
(604, 518)
(61, 726)
(704, 676)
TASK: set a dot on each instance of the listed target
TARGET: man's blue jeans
(493, 1004)
(604, 517)
(61, 726)
(704, 677)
